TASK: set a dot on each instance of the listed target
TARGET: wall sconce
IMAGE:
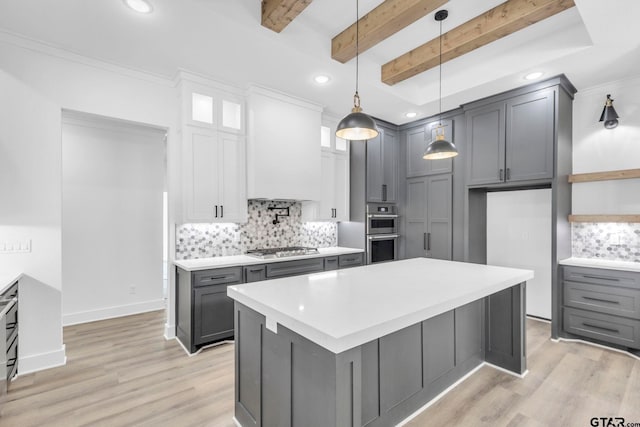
(609, 115)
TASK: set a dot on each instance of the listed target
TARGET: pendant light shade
(357, 126)
(440, 148)
(609, 115)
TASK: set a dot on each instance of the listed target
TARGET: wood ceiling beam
(277, 14)
(502, 20)
(385, 20)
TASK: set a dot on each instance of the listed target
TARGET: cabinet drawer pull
(384, 192)
(428, 241)
(613, 279)
(217, 277)
(333, 260)
(216, 211)
(508, 174)
(501, 174)
(589, 325)
(424, 241)
(221, 211)
(601, 300)
(256, 270)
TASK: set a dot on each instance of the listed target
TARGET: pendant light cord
(356, 98)
(440, 80)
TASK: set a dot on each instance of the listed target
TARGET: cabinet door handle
(501, 173)
(508, 174)
(424, 242)
(589, 325)
(216, 211)
(589, 276)
(428, 241)
(221, 211)
(384, 192)
(601, 300)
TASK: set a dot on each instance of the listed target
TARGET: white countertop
(342, 309)
(236, 260)
(602, 263)
(7, 279)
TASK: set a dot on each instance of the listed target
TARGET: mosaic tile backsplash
(210, 240)
(611, 241)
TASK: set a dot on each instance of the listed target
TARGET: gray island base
(285, 379)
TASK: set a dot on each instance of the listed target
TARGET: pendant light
(440, 148)
(357, 126)
(609, 115)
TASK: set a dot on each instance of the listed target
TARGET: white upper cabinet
(283, 147)
(214, 152)
(334, 201)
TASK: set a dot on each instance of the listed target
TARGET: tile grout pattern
(211, 240)
(608, 241)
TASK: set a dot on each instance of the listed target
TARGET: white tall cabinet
(214, 152)
(333, 204)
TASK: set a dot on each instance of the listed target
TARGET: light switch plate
(15, 246)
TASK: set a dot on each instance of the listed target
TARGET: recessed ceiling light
(411, 114)
(534, 75)
(141, 6)
(321, 79)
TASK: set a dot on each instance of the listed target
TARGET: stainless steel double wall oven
(382, 232)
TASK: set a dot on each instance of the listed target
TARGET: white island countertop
(237, 260)
(342, 309)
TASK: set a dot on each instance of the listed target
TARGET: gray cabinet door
(439, 231)
(374, 167)
(382, 167)
(390, 166)
(428, 217)
(212, 313)
(417, 140)
(486, 144)
(416, 218)
(530, 136)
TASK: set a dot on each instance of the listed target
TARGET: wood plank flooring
(122, 372)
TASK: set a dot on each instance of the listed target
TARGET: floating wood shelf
(604, 218)
(605, 176)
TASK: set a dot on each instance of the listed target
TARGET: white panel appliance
(519, 236)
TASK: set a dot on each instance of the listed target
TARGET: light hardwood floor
(122, 372)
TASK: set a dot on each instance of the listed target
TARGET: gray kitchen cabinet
(382, 166)
(417, 140)
(512, 140)
(204, 312)
(294, 268)
(429, 217)
(351, 260)
(331, 263)
(602, 305)
(255, 273)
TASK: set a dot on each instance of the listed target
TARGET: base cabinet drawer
(351, 260)
(612, 300)
(219, 276)
(294, 268)
(331, 263)
(603, 327)
(255, 273)
(601, 276)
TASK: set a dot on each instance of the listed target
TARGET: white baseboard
(42, 361)
(111, 312)
(169, 331)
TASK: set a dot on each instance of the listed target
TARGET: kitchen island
(371, 345)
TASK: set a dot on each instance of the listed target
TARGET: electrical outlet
(132, 289)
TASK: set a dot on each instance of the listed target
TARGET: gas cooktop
(282, 252)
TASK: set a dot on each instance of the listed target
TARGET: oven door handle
(383, 237)
(382, 215)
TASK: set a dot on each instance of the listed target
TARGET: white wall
(112, 185)
(598, 149)
(36, 83)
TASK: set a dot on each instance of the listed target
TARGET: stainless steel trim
(383, 236)
(382, 216)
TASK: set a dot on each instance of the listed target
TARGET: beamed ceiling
(488, 45)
